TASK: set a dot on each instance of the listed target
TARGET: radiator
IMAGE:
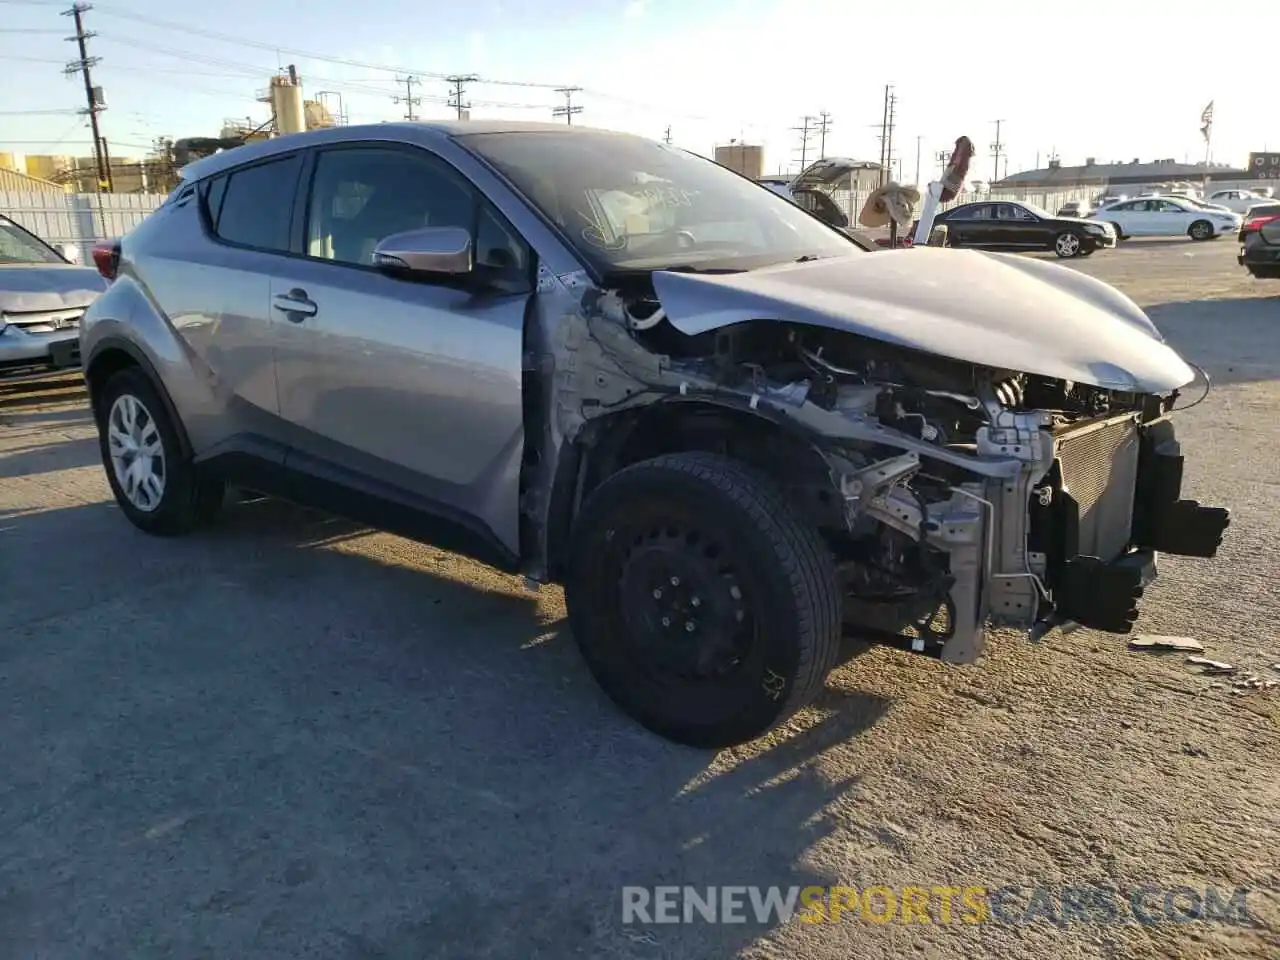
(1100, 471)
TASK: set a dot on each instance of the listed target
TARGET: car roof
(425, 132)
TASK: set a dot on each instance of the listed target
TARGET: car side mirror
(70, 251)
(428, 250)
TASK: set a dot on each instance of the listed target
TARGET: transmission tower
(95, 103)
(568, 111)
(409, 100)
(455, 98)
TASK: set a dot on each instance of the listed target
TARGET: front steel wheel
(705, 608)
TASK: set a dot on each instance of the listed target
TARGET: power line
(569, 109)
(409, 100)
(455, 99)
(94, 101)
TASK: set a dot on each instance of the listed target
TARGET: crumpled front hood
(999, 310)
(40, 287)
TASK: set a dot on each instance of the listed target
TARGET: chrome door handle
(296, 305)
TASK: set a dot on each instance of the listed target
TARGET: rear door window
(252, 206)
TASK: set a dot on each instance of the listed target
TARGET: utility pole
(997, 151)
(893, 109)
(806, 131)
(886, 131)
(919, 141)
(455, 98)
(409, 100)
(94, 102)
(824, 124)
(666, 138)
(568, 110)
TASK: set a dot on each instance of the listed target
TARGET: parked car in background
(1167, 216)
(812, 189)
(1237, 201)
(1106, 198)
(1075, 208)
(725, 427)
(43, 294)
(1260, 241)
(1010, 225)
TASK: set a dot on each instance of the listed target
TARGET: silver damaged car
(43, 294)
(732, 433)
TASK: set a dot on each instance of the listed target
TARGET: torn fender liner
(1005, 312)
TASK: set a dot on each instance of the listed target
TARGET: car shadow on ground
(339, 744)
(1241, 348)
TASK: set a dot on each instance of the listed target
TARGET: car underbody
(949, 493)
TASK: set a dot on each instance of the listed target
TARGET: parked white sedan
(1238, 201)
(1167, 217)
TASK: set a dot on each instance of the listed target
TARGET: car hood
(998, 310)
(37, 287)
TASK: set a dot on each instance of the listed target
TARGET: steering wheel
(685, 240)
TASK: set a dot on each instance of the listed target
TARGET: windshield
(627, 203)
(18, 246)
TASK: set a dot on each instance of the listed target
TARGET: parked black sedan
(1260, 241)
(1010, 225)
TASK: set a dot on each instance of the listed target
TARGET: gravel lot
(289, 737)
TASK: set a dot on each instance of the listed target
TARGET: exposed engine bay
(950, 493)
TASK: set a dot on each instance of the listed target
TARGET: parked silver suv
(594, 359)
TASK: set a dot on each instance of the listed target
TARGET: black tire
(1200, 230)
(1264, 273)
(1119, 233)
(769, 583)
(1088, 251)
(188, 500)
(1067, 244)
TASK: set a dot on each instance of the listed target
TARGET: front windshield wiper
(807, 258)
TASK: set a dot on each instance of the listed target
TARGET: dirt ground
(288, 737)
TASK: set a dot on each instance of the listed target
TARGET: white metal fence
(82, 219)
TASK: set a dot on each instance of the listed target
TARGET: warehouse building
(1135, 174)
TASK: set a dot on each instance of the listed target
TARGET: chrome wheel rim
(1068, 244)
(1200, 230)
(137, 453)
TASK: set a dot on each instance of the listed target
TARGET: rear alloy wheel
(155, 484)
(704, 606)
(1200, 230)
(1066, 244)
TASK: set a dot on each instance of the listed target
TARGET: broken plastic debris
(1212, 666)
(1152, 641)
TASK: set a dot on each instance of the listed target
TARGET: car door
(1171, 219)
(1020, 227)
(1132, 216)
(409, 390)
(220, 301)
(969, 225)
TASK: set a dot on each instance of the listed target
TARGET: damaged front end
(950, 493)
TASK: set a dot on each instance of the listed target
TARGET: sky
(1108, 79)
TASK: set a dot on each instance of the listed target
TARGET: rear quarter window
(252, 206)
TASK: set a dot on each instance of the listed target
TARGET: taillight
(1257, 223)
(106, 257)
